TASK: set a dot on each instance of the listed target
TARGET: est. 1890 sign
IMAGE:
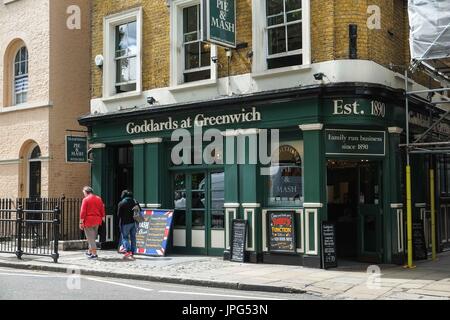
(220, 22)
(76, 149)
(355, 142)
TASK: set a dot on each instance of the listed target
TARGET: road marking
(218, 295)
(26, 275)
(119, 284)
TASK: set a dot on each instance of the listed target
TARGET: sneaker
(128, 255)
(88, 254)
(92, 257)
(122, 250)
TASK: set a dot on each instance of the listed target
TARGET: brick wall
(330, 21)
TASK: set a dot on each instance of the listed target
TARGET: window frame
(14, 77)
(260, 37)
(109, 47)
(177, 50)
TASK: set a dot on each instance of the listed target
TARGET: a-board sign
(419, 244)
(238, 240)
(282, 231)
(153, 234)
(329, 255)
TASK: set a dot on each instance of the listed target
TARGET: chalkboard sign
(419, 244)
(329, 255)
(153, 234)
(238, 240)
(282, 231)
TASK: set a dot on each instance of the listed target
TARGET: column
(139, 171)
(154, 171)
(249, 182)
(232, 204)
(314, 167)
(393, 205)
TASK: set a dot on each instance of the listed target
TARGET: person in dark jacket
(127, 223)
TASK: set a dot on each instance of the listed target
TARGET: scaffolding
(430, 52)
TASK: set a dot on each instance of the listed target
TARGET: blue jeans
(128, 232)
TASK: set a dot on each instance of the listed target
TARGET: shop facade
(338, 161)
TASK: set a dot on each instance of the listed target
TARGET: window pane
(198, 181)
(180, 218)
(277, 40)
(292, 60)
(274, 7)
(293, 5)
(192, 56)
(132, 38)
(205, 54)
(198, 200)
(133, 69)
(122, 70)
(190, 19)
(294, 16)
(198, 218)
(121, 40)
(218, 220)
(294, 37)
(197, 76)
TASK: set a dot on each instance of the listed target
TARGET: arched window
(20, 85)
(34, 173)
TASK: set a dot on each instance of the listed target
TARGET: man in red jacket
(92, 215)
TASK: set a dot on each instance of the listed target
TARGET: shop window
(198, 199)
(126, 57)
(285, 183)
(217, 200)
(180, 201)
(21, 76)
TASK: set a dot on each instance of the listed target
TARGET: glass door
(216, 214)
(369, 212)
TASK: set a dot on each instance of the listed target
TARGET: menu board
(329, 255)
(238, 240)
(153, 234)
(419, 244)
(282, 231)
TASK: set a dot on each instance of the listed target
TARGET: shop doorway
(199, 221)
(354, 206)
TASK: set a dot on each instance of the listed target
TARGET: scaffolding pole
(408, 183)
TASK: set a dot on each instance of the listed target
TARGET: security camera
(214, 59)
(151, 100)
(319, 76)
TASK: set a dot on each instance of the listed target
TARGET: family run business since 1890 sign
(220, 21)
(355, 142)
(153, 234)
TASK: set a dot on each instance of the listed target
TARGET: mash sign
(76, 149)
(220, 21)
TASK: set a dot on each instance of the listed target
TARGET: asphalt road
(18, 284)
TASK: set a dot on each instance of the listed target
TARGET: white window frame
(260, 37)
(14, 92)
(109, 48)
(177, 58)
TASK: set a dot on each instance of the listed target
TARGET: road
(18, 284)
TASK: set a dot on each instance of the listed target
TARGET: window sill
(26, 106)
(123, 96)
(196, 84)
(280, 71)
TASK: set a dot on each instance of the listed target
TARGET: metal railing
(70, 211)
(30, 232)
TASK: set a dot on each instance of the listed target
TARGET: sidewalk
(430, 280)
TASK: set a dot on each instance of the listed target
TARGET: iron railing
(30, 232)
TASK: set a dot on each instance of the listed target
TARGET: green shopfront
(338, 160)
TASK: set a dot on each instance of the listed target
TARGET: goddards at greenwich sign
(200, 120)
(219, 20)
